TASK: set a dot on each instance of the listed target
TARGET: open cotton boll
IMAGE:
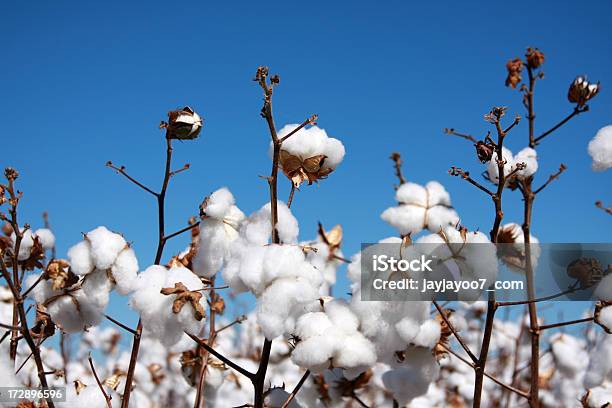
(75, 313)
(124, 271)
(603, 291)
(569, 354)
(605, 317)
(80, 258)
(45, 237)
(90, 397)
(600, 149)
(428, 335)
(26, 244)
(258, 228)
(413, 377)
(492, 169)
(105, 246)
(312, 141)
(529, 157)
(155, 308)
(97, 287)
(600, 397)
(219, 203)
(600, 363)
(421, 207)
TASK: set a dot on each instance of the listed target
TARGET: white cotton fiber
(605, 317)
(80, 259)
(492, 168)
(600, 363)
(312, 141)
(45, 237)
(219, 203)
(600, 149)
(529, 157)
(421, 207)
(26, 244)
(105, 246)
(124, 270)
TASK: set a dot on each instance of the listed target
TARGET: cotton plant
(42, 239)
(421, 207)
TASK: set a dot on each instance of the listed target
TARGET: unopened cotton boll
(600, 149)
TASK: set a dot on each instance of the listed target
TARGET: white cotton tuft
(219, 203)
(313, 141)
(421, 208)
(105, 246)
(80, 258)
(600, 149)
(529, 157)
(27, 242)
(45, 237)
(124, 270)
(600, 363)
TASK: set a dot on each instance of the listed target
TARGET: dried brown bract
(514, 68)
(44, 326)
(347, 388)
(332, 238)
(535, 57)
(299, 170)
(588, 271)
(596, 315)
(581, 91)
(184, 124)
(440, 349)
(58, 271)
(184, 296)
(484, 151)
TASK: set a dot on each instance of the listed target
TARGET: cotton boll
(493, 170)
(97, 287)
(258, 228)
(312, 141)
(219, 203)
(45, 237)
(80, 258)
(429, 334)
(600, 363)
(603, 291)
(600, 149)
(529, 157)
(72, 318)
(212, 248)
(355, 351)
(412, 379)
(412, 193)
(605, 317)
(437, 194)
(440, 217)
(124, 270)
(26, 244)
(341, 315)
(408, 219)
(90, 397)
(600, 397)
(569, 354)
(105, 246)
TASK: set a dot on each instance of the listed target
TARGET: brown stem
(601, 206)
(25, 331)
(123, 326)
(455, 333)
(221, 357)
(121, 170)
(212, 336)
(551, 178)
(290, 199)
(13, 221)
(542, 299)
(296, 389)
(397, 163)
(577, 111)
(569, 323)
(465, 175)
(161, 196)
(106, 396)
(452, 132)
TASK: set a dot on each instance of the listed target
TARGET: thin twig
(221, 357)
(290, 199)
(121, 170)
(311, 120)
(455, 333)
(397, 163)
(123, 326)
(552, 177)
(93, 370)
(238, 320)
(568, 323)
(296, 389)
(182, 230)
(452, 132)
(577, 111)
(542, 299)
(456, 171)
(600, 205)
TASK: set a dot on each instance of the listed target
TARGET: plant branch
(296, 389)
(577, 111)
(221, 357)
(123, 326)
(455, 333)
(568, 323)
(465, 175)
(397, 163)
(121, 170)
(452, 132)
(311, 120)
(601, 206)
(106, 396)
(552, 177)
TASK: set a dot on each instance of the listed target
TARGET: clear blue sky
(85, 83)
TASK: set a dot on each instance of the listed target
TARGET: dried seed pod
(588, 271)
(581, 91)
(184, 124)
(514, 68)
(534, 57)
